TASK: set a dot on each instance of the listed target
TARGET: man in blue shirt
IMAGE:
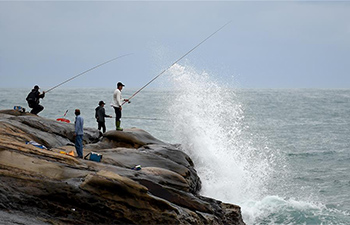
(79, 132)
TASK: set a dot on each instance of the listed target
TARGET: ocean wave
(312, 153)
(277, 210)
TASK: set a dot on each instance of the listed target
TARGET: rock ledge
(49, 187)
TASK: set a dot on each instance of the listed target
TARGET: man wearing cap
(33, 100)
(117, 104)
(100, 115)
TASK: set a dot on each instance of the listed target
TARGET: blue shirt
(79, 123)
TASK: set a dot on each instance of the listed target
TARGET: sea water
(281, 154)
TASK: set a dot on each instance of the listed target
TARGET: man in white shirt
(117, 104)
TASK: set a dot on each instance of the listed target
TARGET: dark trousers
(36, 108)
(118, 114)
(101, 125)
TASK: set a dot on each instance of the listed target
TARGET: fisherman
(117, 104)
(79, 132)
(33, 100)
(100, 115)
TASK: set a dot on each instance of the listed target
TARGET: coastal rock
(49, 186)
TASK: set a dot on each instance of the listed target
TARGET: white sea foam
(208, 121)
(276, 210)
(234, 167)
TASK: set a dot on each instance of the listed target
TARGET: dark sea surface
(283, 155)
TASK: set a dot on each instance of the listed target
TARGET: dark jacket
(100, 114)
(34, 96)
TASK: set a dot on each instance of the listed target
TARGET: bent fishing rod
(87, 71)
(176, 62)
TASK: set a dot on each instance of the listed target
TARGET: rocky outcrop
(49, 186)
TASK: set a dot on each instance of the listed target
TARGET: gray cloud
(267, 44)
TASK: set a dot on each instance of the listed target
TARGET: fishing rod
(87, 71)
(176, 61)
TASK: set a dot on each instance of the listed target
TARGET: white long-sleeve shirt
(117, 98)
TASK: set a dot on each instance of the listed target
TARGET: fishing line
(143, 118)
(177, 61)
(87, 71)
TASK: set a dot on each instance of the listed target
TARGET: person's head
(120, 85)
(77, 112)
(36, 87)
(101, 103)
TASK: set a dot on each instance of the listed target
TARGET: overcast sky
(292, 44)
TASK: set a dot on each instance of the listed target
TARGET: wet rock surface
(47, 186)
